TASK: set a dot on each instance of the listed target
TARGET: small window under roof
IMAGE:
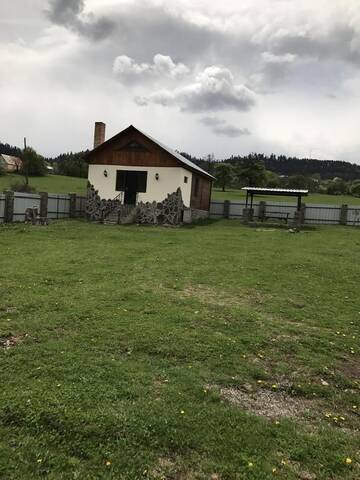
(134, 146)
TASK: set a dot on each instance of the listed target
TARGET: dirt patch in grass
(167, 469)
(11, 341)
(216, 296)
(350, 370)
(267, 403)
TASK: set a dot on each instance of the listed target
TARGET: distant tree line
(70, 164)
(282, 172)
(289, 166)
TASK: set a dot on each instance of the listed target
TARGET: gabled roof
(182, 160)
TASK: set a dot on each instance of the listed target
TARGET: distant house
(49, 167)
(10, 163)
(134, 167)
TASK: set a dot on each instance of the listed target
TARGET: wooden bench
(277, 216)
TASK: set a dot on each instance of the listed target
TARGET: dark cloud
(212, 121)
(230, 131)
(70, 14)
(220, 127)
(65, 12)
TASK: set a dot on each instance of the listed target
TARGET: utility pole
(25, 165)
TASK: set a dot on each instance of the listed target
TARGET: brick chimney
(99, 134)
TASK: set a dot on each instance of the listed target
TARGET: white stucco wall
(170, 178)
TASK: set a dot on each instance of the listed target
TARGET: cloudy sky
(226, 77)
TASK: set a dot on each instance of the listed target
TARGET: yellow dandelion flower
(108, 463)
(348, 461)
(274, 470)
(274, 386)
(283, 462)
(250, 464)
(259, 381)
(182, 412)
(354, 407)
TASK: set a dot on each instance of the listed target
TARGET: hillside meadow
(49, 183)
(209, 352)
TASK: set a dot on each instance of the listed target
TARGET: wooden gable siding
(116, 153)
(200, 195)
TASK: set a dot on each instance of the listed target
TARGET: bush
(22, 187)
(33, 164)
(355, 189)
(337, 187)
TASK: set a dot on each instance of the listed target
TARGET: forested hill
(289, 166)
(282, 165)
(7, 149)
(72, 164)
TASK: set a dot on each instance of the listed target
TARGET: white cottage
(134, 167)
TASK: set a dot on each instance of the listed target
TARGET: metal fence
(314, 213)
(22, 201)
(56, 205)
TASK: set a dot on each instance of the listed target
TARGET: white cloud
(163, 65)
(214, 89)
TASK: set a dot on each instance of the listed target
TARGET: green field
(217, 194)
(208, 352)
(50, 183)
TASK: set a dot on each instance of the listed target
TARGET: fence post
(343, 214)
(302, 213)
(262, 208)
(9, 207)
(299, 216)
(44, 198)
(72, 212)
(226, 208)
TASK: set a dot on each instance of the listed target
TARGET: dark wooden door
(131, 184)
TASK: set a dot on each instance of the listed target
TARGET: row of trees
(247, 173)
(70, 164)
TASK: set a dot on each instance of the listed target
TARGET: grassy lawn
(50, 183)
(213, 352)
(217, 194)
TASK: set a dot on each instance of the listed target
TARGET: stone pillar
(343, 215)
(299, 216)
(9, 207)
(44, 197)
(226, 209)
(72, 211)
(262, 208)
(248, 215)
